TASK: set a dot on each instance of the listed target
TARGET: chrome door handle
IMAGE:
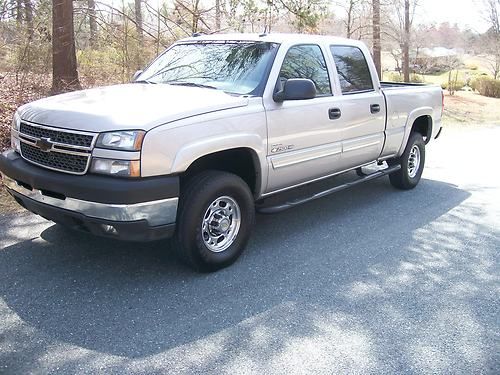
(334, 113)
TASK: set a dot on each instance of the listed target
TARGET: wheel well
(242, 162)
(423, 125)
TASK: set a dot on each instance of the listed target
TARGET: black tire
(199, 194)
(402, 179)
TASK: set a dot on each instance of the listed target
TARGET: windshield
(235, 67)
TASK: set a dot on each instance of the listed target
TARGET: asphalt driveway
(370, 280)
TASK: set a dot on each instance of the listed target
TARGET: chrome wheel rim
(414, 161)
(221, 224)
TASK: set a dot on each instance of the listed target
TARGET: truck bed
(392, 85)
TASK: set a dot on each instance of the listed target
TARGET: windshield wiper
(145, 81)
(191, 84)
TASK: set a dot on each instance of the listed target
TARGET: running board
(324, 193)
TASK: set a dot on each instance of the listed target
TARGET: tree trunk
(19, 12)
(92, 24)
(64, 71)
(28, 12)
(217, 15)
(377, 48)
(406, 43)
(349, 19)
(138, 19)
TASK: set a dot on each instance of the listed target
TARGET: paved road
(371, 280)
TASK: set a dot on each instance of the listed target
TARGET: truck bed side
(407, 105)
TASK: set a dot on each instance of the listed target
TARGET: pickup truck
(208, 131)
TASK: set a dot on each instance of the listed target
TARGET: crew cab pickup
(210, 130)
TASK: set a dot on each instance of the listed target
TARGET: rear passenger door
(362, 106)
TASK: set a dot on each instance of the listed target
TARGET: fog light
(109, 229)
(15, 144)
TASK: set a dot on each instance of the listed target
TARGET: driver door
(304, 136)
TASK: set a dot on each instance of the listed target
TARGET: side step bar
(324, 193)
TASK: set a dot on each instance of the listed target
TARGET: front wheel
(412, 164)
(215, 220)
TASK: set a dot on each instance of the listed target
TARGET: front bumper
(140, 210)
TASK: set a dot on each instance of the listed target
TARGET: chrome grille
(55, 160)
(61, 150)
(74, 139)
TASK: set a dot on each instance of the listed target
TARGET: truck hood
(127, 106)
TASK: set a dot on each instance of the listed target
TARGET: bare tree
(492, 36)
(92, 23)
(406, 42)
(64, 71)
(28, 12)
(357, 15)
(400, 28)
(217, 15)
(138, 19)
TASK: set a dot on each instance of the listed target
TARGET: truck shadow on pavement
(137, 300)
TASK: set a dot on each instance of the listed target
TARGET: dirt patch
(7, 203)
(471, 109)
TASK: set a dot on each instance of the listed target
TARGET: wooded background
(105, 41)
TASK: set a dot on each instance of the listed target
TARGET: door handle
(375, 108)
(334, 113)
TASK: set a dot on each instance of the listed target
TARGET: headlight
(121, 140)
(16, 121)
(122, 168)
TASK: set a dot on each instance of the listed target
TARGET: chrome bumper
(155, 213)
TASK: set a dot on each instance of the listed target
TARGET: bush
(415, 78)
(487, 86)
(455, 86)
(394, 77)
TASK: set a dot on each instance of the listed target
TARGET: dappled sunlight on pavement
(371, 280)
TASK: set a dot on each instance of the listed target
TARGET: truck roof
(274, 38)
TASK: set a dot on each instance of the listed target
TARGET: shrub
(415, 78)
(487, 86)
(394, 77)
(455, 85)
(471, 67)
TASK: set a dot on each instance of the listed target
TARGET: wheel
(412, 164)
(216, 217)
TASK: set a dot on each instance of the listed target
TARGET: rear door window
(352, 68)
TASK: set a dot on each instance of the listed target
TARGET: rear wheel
(412, 164)
(215, 220)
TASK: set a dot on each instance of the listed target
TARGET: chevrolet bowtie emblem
(44, 144)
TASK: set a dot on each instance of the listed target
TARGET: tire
(412, 164)
(216, 218)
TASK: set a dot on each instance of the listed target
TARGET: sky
(465, 13)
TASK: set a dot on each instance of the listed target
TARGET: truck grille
(73, 139)
(61, 150)
(55, 160)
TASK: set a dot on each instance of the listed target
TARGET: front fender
(202, 147)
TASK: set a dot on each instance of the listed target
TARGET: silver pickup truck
(208, 132)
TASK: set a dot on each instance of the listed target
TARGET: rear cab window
(352, 69)
(306, 61)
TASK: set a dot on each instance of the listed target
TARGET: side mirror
(296, 89)
(136, 74)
